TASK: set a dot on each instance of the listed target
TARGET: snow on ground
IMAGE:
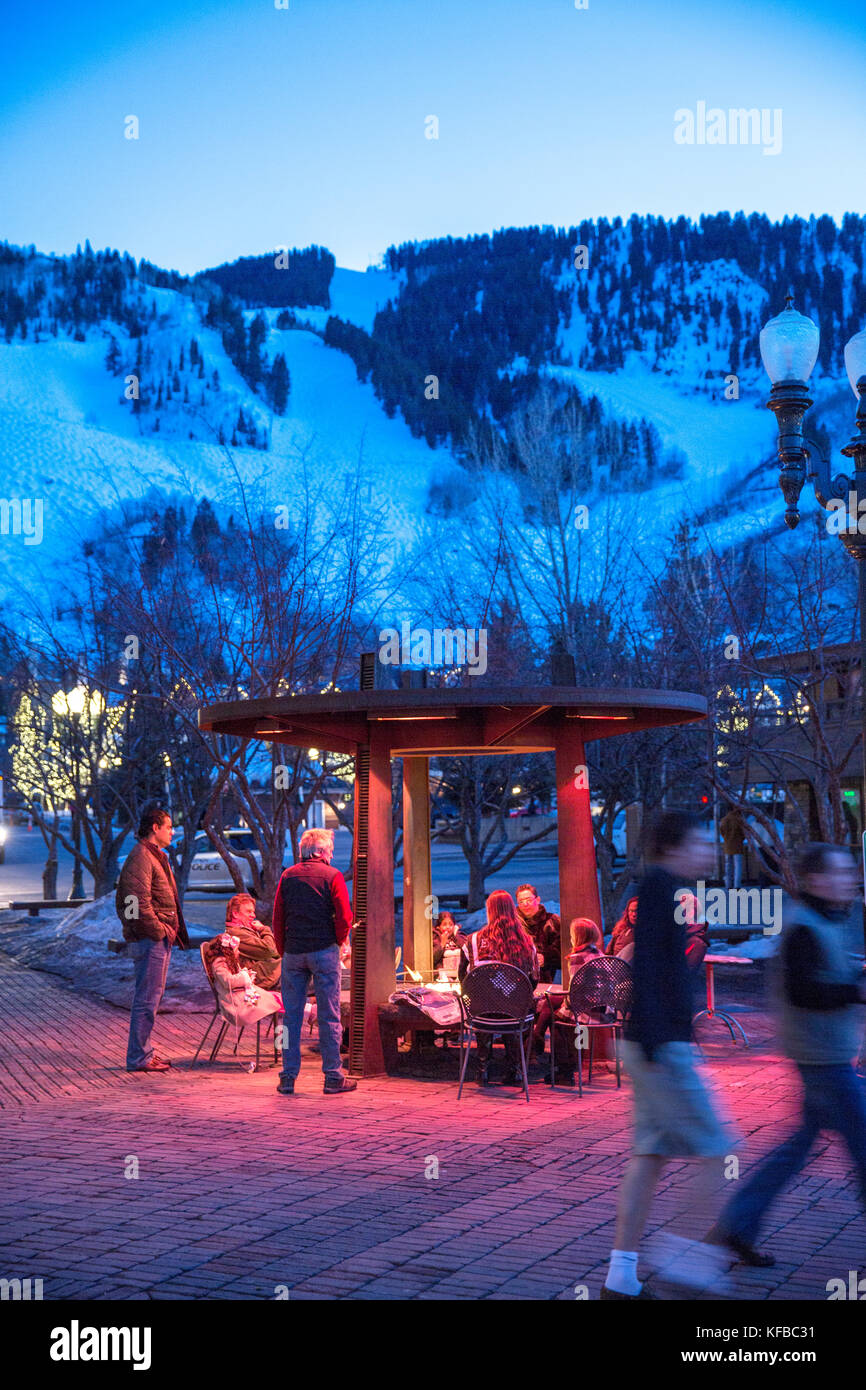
(723, 443)
(713, 434)
(67, 441)
(335, 419)
(756, 948)
(65, 382)
(357, 296)
(74, 945)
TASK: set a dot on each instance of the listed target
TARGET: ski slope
(67, 439)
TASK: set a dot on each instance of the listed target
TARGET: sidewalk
(241, 1192)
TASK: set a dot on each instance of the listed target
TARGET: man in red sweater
(311, 920)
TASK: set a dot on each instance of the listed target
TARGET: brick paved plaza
(240, 1191)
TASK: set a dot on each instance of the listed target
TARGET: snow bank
(74, 945)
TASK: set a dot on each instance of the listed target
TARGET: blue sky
(262, 127)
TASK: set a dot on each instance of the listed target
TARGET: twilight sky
(262, 127)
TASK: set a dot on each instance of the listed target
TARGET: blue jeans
(833, 1098)
(323, 968)
(151, 968)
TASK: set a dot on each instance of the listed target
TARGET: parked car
(618, 837)
(208, 870)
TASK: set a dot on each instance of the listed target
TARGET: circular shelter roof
(489, 719)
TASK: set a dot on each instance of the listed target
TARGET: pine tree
(279, 384)
(112, 357)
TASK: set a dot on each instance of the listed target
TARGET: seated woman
(444, 933)
(587, 943)
(502, 938)
(697, 932)
(257, 949)
(241, 1001)
(622, 937)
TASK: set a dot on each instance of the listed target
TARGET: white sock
(622, 1275)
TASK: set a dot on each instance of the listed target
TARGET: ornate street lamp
(789, 350)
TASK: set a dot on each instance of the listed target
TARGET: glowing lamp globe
(789, 346)
(855, 359)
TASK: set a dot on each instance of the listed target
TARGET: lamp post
(789, 350)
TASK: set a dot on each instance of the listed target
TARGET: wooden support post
(380, 975)
(578, 884)
(360, 855)
(417, 892)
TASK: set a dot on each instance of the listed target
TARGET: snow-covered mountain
(117, 379)
(69, 438)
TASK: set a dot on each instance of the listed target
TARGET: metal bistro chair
(496, 998)
(217, 1013)
(601, 989)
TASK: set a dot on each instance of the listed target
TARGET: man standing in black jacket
(674, 1115)
(312, 918)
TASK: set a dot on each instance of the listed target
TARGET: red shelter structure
(374, 726)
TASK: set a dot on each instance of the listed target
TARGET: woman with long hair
(502, 938)
(622, 937)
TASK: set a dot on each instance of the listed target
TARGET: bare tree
(736, 621)
(270, 607)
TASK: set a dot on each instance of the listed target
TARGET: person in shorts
(674, 1113)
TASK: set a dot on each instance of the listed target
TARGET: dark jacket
(311, 908)
(545, 929)
(662, 1008)
(621, 937)
(816, 983)
(146, 899)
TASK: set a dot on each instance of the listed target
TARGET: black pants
(511, 1043)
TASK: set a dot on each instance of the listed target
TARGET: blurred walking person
(817, 984)
(674, 1114)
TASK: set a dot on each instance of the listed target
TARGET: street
(21, 874)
